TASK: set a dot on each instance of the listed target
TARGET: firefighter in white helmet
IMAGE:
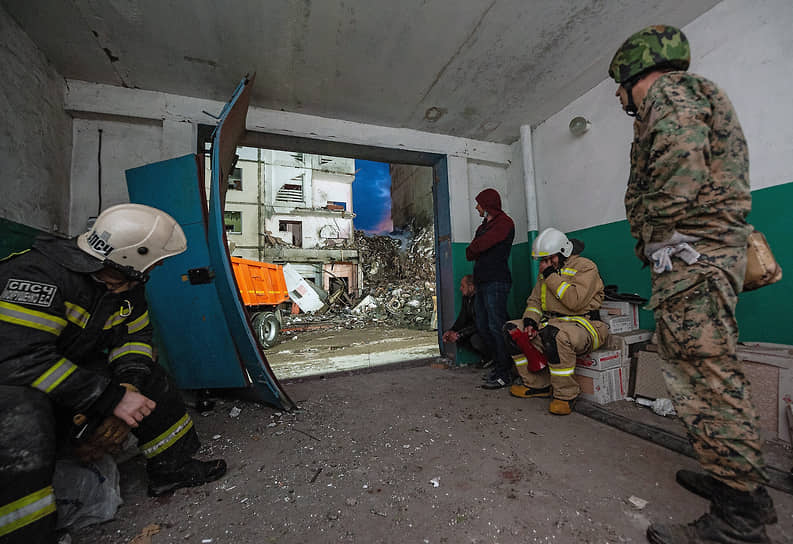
(77, 368)
(560, 319)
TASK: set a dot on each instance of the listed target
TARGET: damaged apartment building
(296, 208)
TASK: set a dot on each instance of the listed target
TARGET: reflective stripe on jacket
(54, 317)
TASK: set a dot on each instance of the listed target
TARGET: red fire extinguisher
(536, 360)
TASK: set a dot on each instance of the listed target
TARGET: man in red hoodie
(490, 250)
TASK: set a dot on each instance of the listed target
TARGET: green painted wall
(15, 237)
(763, 315)
(519, 263)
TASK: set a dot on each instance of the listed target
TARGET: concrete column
(460, 202)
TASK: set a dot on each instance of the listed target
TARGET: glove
(529, 322)
(548, 271)
(107, 438)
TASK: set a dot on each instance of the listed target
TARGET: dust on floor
(416, 455)
(335, 349)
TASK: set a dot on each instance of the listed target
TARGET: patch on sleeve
(29, 292)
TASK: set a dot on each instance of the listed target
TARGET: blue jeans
(490, 304)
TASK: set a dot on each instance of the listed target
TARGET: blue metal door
(194, 298)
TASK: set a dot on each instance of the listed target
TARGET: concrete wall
(331, 188)
(36, 140)
(411, 195)
(746, 48)
(180, 115)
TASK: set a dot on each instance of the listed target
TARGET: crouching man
(77, 370)
(560, 320)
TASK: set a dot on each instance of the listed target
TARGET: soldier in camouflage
(686, 201)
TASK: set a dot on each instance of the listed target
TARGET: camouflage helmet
(653, 47)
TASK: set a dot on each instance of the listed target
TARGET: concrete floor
(414, 454)
(326, 351)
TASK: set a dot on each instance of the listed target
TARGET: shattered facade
(290, 207)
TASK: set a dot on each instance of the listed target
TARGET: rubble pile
(398, 277)
(398, 286)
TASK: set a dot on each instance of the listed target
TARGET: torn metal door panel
(230, 128)
(194, 298)
(190, 320)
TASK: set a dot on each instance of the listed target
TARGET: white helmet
(133, 238)
(550, 242)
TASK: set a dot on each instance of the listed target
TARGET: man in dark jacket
(77, 369)
(490, 250)
(464, 332)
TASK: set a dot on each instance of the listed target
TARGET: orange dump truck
(263, 289)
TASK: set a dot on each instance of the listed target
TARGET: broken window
(295, 228)
(293, 191)
(233, 222)
(235, 179)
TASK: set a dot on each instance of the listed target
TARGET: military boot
(733, 519)
(189, 474)
(706, 486)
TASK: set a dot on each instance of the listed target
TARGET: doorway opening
(299, 204)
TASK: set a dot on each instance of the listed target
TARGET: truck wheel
(266, 327)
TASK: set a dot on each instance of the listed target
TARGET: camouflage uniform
(690, 174)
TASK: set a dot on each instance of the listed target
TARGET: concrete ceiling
(471, 68)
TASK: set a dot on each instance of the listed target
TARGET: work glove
(107, 438)
(548, 271)
(529, 322)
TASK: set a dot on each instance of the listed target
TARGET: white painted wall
(125, 144)
(331, 188)
(491, 165)
(35, 134)
(745, 47)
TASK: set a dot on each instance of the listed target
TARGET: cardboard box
(649, 382)
(617, 323)
(603, 386)
(601, 359)
(769, 369)
(629, 344)
(611, 308)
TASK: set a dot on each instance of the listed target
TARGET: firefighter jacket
(55, 318)
(572, 293)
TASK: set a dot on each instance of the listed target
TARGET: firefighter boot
(190, 474)
(561, 407)
(529, 392)
(733, 518)
(705, 485)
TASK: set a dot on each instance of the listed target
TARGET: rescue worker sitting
(77, 371)
(561, 321)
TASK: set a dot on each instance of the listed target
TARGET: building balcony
(283, 254)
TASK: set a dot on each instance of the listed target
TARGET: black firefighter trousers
(33, 433)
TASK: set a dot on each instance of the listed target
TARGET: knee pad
(548, 337)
